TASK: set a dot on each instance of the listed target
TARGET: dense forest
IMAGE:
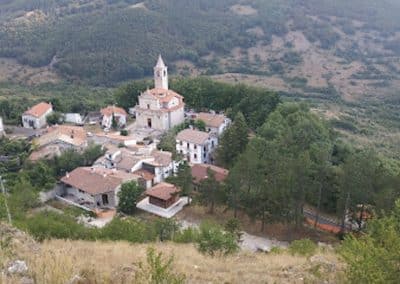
(109, 41)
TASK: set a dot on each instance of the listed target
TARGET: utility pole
(5, 201)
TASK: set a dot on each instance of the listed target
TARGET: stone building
(160, 108)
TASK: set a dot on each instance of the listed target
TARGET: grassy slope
(58, 261)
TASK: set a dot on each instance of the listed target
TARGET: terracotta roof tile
(163, 191)
(73, 135)
(193, 136)
(113, 109)
(161, 158)
(199, 172)
(38, 110)
(146, 175)
(211, 120)
(90, 181)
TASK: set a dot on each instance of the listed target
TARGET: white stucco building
(215, 123)
(160, 108)
(110, 112)
(196, 146)
(35, 117)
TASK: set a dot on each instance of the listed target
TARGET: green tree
(210, 191)
(128, 197)
(183, 179)
(214, 241)
(233, 141)
(375, 256)
(114, 123)
(54, 118)
(166, 228)
(200, 125)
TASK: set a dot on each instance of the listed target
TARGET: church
(160, 108)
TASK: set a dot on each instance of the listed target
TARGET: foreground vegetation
(58, 261)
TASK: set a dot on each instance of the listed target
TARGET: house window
(205, 149)
(195, 146)
(148, 106)
(180, 143)
(212, 144)
(195, 156)
(187, 145)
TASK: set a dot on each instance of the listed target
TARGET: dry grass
(59, 261)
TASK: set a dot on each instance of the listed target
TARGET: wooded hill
(106, 41)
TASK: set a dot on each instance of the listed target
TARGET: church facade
(160, 108)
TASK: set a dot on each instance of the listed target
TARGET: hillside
(343, 57)
(59, 261)
(349, 48)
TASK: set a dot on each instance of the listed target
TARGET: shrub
(188, 235)
(47, 225)
(166, 229)
(129, 229)
(276, 250)
(213, 240)
(158, 270)
(304, 247)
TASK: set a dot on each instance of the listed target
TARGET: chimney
(92, 170)
(67, 174)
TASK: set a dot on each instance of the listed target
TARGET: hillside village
(130, 146)
(256, 175)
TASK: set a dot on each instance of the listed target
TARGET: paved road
(310, 214)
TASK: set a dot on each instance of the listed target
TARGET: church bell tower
(160, 74)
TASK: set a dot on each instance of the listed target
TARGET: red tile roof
(199, 172)
(110, 110)
(193, 136)
(164, 95)
(96, 180)
(38, 110)
(211, 120)
(146, 175)
(163, 191)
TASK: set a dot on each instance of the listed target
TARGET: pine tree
(233, 141)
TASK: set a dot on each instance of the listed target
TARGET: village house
(153, 168)
(196, 146)
(35, 117)
(215, 123)
(111, 113)
(163, 200)
(74, 118)
(93, 118)
(161, 165)
(56, 139)
(93, 188)
(200, 173)
(160, 108)
(163, 195)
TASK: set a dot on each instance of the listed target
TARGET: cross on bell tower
(161, 74)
